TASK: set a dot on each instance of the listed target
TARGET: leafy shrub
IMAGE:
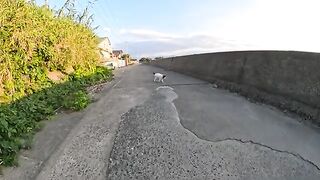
(76, 101)
(33, 43)
(19, 119)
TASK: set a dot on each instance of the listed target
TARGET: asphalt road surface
(186, 129)
(180, 129)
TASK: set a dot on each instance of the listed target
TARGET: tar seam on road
(256, 143)
(249, 141)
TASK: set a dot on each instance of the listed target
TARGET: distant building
(106, 53)
(117, 54)
(105, 49)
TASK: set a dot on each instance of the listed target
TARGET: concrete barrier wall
(294, 76)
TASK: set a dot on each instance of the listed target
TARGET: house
(105, 49)
(117, 54)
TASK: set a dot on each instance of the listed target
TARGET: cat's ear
(164, 76)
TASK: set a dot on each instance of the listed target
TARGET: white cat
(159, 77)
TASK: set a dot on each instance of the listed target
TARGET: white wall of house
(105, 54)
(122, 63)
(105, 49)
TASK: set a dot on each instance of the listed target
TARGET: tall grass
(34, 42)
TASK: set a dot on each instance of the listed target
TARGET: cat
(158, 77)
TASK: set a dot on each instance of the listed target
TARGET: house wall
(287, 79)
(105, 49)
(105, 45)
(105, 55)
(122, 63)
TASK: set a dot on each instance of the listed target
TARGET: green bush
(34, 43)
(76, 101)
(19, 119)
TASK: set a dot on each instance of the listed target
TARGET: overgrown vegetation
(19, 119)
(144, 60)
(46, 62)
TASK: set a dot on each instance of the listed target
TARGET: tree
(125, 56)
(144, 60)
(158, 58)
(69, 10)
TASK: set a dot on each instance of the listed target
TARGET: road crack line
(268, 147)
(258, 144)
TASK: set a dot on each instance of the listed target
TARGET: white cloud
(152, 43)
(146, 34)
(262, 25)
(276, 24)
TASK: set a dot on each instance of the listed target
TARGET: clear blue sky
(175, 27)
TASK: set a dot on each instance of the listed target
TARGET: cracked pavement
(181, 129)
(188, 130)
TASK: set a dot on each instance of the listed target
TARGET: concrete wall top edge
(250, 52)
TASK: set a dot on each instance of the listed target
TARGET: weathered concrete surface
(77, 145)
(189, 132)
(45, 143)
(264, 75)
(152, 144)
(235, 139)
(214, 114)
(85, 152)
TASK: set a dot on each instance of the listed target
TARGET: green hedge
(33, 44)
(19, 119)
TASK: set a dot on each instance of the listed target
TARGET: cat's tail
(154, 73)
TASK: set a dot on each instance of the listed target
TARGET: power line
(112, 15)
(113, 24)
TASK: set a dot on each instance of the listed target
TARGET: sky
(151, 28)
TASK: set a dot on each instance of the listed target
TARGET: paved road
(181, 129)
(186, 129)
